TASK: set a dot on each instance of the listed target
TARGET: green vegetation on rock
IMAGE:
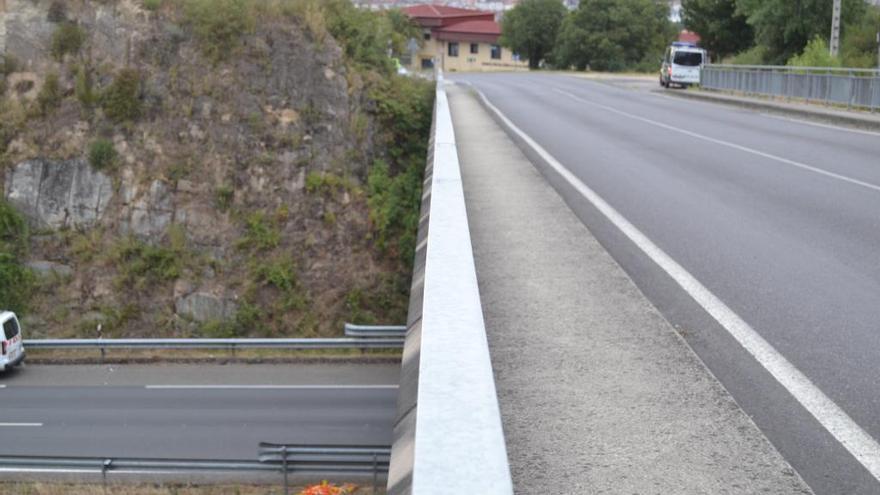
(219, 24)
(16, 280)
(102, 155)
(67, 39)
(121, 100)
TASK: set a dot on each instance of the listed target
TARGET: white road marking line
(21, 424)
(724, 143)
(770, 115)
(858, 442)
(2, 386)
(824, 126)
(271, 387)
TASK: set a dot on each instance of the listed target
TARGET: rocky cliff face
(226, 200)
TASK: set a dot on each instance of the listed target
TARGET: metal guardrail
(370, 460)
(341, 460)
(301, 344)
(850, 87)
(375, 331)
(448, 436)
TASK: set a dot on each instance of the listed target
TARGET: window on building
(475, 48)
(427, 36)
(427, 63)
(453, 49)
(496, 52)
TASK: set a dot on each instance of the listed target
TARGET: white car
(11, 348)
(682, 64)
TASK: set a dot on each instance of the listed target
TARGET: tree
(613, 34)
(785, 26)
(531, 28)
(722, 28)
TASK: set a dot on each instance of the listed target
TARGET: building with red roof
(456, 39)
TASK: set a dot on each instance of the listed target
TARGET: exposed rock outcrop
(59, 194)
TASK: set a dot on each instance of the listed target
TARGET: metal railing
(369, 460)
(375, 331)
(231, 344)
(317, 460)
(859, 88)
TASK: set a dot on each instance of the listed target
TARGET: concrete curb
(830, 116)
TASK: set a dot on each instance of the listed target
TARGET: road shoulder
(598, 393)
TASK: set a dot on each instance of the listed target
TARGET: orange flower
(326, 488)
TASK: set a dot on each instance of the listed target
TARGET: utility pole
(835, 28)
(878, 49)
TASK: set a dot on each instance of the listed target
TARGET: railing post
(375, 473)
(284, 467)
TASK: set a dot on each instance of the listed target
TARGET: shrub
(260, 233)
(394, 185)
(142, 264)
(49, 97)
(16, 280)
(152, 5)
(757, 55)
(102, 154)
(223, 197)
(121, 100)
(219, 24)
(68, 38)
(815, 54)
(84, 90)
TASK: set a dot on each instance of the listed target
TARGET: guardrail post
(375, 473)
(284, 467)
(105, 466)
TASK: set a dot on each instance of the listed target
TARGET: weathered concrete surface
(598, 393)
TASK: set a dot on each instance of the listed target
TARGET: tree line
(615, 35)
(605, 35)
(794, 32)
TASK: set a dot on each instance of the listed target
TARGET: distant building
(457, 39)
(689, 37)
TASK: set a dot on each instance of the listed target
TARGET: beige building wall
(466, 61)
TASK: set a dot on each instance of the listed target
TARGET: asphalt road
(198, 412)
(779, 219)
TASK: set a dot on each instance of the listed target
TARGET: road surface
(188, 411)
(778, 219)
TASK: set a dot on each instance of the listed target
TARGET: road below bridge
(193, 411)
(778, 219)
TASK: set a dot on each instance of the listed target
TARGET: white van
(11, 348)
(681, 65)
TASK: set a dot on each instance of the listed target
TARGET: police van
(11, 348)
(681, 65)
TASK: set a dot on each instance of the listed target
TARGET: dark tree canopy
(785, 26)
(531, 27)
(613, 34)
(722, 28)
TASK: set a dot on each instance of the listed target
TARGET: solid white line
(21, 424)
(724, 143)
(270, 387)
(859, 443)
(2, 386)
(824, 126)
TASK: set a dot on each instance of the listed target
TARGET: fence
(230, 344)
(317, 460)
(858, 88)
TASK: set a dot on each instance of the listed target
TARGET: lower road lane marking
(735, 146)
(859, 443)
(272, 387)
(21, 424)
